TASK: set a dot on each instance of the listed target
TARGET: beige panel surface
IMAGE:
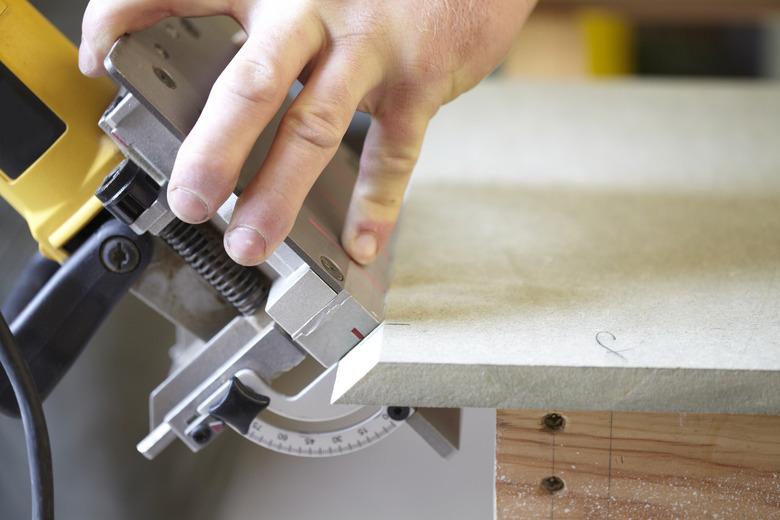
(631, 264)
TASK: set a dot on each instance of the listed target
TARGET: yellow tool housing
(55, 194)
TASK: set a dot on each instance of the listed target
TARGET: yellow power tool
(269, 337)
(53, 156)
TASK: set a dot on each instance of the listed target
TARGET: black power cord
(35, 432)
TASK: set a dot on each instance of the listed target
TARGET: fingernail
(86, 60)
(187, 205)
(364, 247)
(245, 245)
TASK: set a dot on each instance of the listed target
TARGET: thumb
(390, 152)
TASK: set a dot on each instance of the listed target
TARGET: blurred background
(99, 411)
(576, 39)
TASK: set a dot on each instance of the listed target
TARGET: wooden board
(603, 247)
(638, 465)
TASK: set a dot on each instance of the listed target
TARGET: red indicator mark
(324, 232)
(358, 334)
(118, 137)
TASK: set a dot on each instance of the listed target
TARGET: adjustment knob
(127, 192)
(239, 407)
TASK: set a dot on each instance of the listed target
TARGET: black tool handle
(36, 273)
(59, 320)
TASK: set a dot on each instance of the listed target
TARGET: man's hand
(398, 60)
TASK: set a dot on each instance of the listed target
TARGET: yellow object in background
(574, 44)
(609, 42)
(53, 155)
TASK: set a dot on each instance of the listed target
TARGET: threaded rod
(201, 247)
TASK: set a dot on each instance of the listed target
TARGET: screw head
(172, 31)
(190, 28)
(119, 255)
(398, 413)
(201, 434)
(164, 77)
(161, 51)
(554, 421)
(332, 269)
(553, 484)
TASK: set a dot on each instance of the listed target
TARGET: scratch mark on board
(609, 349)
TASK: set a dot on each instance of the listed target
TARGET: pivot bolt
(554, 421)
(201, 434)
(553, 484)
(398, 413)
(119, 255)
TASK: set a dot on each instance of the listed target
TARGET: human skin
(398, 60)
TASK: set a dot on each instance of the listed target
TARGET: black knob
(239, 407)
(398, 413)
(127, 192)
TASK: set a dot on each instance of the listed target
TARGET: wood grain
(638, 465)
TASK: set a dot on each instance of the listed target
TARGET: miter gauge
(258, 347)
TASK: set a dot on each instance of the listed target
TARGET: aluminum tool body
(267, 370)
(257, 347)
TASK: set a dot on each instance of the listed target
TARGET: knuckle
(387, 193)
(392, 163)
(193, 166)
(318, 126)
(427, 69)
(254, 81)
(385, 200)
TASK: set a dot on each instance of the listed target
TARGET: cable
(35, 432)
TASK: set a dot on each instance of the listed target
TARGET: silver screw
(331, 267)
(190, 28)
(164, 77)
(119, 255)
(161, 51)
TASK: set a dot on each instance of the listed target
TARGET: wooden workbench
(637, 465)
(607, 248)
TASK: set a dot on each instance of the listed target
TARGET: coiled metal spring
(201, 247)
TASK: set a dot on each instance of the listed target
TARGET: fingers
(390, 152)
(242, 102)
(306, 141)
(106, 20)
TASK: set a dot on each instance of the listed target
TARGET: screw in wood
(553, 484)
(554, 421)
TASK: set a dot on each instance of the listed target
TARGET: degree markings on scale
(324, 443)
